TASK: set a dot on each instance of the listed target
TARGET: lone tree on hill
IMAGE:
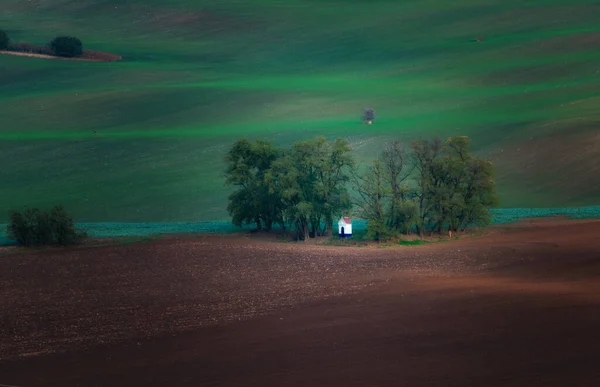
(66, 46)
(4, 40)
(369, 116)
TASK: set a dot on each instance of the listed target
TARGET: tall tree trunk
(328, 225)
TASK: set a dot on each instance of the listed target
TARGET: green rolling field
(197, 75)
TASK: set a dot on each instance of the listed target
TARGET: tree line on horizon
(63, 46)
(427, 187)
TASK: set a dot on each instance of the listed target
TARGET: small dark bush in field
(4, 40)
(369, 116)
(66, 46)
(30, 48)
(33, 227)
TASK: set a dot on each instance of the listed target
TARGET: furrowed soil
(519, 306)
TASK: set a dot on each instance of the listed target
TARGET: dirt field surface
(517, 307)
(88, 56)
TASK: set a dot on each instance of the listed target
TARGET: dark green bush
(66, 46)
(33, 227)
(369, 115)
(4, 40)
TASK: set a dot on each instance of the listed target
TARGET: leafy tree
(384, 196)
(395, 162)
(253, 201)
(404, 218)
(311, 178)
(293, 179)
(333, 175)
(427, 161)
(472, 183)
(34, 227)
(4, 40)
(63, 227)
(22, 226)
(372, 196)
(66, 46)
(455, 188)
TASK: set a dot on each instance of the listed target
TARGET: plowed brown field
(517, 307)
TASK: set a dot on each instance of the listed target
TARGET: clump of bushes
(4, 40)
(34, 227)
(66, 46)
(30, 48)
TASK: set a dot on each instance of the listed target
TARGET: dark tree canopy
(66, 46)
(4, 40)
(253, 201)
(373, 197)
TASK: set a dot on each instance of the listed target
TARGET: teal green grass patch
(111, 230)
(511, 215)
(123, 230)
(415, 242)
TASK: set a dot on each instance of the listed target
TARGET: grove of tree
(428, 187)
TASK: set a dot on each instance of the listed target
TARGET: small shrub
(22, 226)
(33, 227)
(369, 115)
(66, 46)
(4, 40)
(63, 227)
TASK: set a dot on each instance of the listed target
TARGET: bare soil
(519, 306)
(88, 56)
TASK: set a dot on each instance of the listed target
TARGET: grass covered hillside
(197, 75)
